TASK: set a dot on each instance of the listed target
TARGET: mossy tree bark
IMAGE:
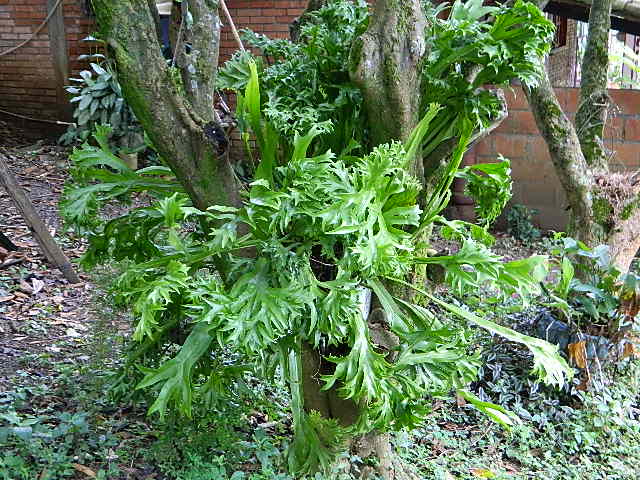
(386, 64)
(179, 121)
(604, 206)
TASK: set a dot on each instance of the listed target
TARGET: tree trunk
(604, 207)
(568, 160)
(625, 241)
(386, 66)
(594, 98)
(331, 405)
(181, 127)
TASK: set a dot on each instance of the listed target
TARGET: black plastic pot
(555, 331)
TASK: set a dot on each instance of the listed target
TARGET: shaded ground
(47, 326)
(39, 310)
(58, 342)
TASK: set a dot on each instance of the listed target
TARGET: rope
(36, 32)
(55, 122)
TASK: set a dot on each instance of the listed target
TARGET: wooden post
(59, 57)
(39, 230)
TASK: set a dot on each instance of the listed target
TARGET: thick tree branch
(386, 61)
(178, 126)
(625, 240)
(628, 9)
(566, 154)
(594, 98)
(199, 66)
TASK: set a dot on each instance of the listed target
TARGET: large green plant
(306, 83)
(288, 273)
(312, 238)
(468, 53)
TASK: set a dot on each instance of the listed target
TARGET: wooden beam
(59, 57)
(579, 10)
(39, 230)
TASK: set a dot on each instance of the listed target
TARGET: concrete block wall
(28, 83)
(535, 183)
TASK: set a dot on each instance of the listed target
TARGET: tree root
(390, 466)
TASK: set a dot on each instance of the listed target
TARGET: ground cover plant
(283, 326)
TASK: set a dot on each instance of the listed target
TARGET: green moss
(391, 74)
(602, 211)
(629, 209)
(105, 14)
(135, 98)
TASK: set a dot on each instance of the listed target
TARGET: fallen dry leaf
(578, 353)
(37, 285)
(629, 350)
(584, 384)
(86, 470)
(482, 473)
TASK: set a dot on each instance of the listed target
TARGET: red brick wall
(271, 17)
(27, 78)
(535, 183)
